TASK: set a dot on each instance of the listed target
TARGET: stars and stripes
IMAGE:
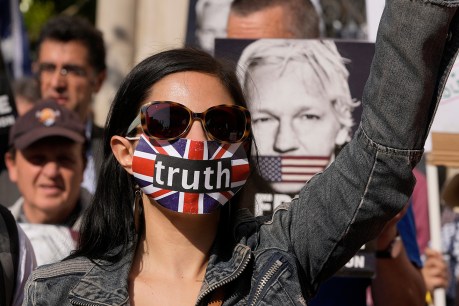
(291, 169)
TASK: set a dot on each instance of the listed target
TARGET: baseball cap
(46, 119)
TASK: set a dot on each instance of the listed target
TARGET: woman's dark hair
(108, 227)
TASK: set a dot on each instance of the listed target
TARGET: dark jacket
(282, 260)
(9, 256)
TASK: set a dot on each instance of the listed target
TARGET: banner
(304, 97)
(14, 40)
(374, 10)
(445, 120)
(7, 111)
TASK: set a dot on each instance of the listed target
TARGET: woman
(195, 250)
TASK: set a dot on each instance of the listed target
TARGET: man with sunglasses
(71, 70)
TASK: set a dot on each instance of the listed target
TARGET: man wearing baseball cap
(46, 160)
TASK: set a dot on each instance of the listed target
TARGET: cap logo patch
(47, 116)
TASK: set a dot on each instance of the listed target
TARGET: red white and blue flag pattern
(291, 169)
(174, 158)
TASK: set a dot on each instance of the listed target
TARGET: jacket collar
(107, 284)
(220, 271)
(104, 283)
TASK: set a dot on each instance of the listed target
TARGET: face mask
(190, 176)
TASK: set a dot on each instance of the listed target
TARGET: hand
(435, 270)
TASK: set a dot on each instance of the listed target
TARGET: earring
(137, 203)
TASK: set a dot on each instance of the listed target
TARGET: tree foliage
(37, 12)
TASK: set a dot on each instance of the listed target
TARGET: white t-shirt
(26, 264)
(51, 243)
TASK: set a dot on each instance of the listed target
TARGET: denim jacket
(281, 260)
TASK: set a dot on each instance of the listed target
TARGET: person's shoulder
(8, 222)
(4, 211)
(246, 225)
(69, 267)
(51, 284)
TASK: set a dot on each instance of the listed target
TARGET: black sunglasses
(166, 120)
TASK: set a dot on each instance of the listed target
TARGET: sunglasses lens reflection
(166, 121)
(226, 123)
(171, 120)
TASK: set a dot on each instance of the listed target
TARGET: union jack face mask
(190, 176)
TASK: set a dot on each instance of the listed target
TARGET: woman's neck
(175, 245)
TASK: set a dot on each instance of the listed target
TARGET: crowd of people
(153, 209)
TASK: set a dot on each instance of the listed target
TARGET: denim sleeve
(371, 179)
(415, 50)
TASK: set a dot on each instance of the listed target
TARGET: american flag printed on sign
(291, 169)
(194, 202)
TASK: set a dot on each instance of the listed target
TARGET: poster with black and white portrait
(305, 101)
(206, 21)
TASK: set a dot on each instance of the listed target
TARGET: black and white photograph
(305, 100)
(207, 21)
(304, 97)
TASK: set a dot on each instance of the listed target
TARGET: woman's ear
(10, 162)
(123, 150)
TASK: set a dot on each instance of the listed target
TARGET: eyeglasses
(166, 120)
(71, 70)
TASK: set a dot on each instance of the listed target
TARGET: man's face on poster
(291, 116)
(211, 23)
